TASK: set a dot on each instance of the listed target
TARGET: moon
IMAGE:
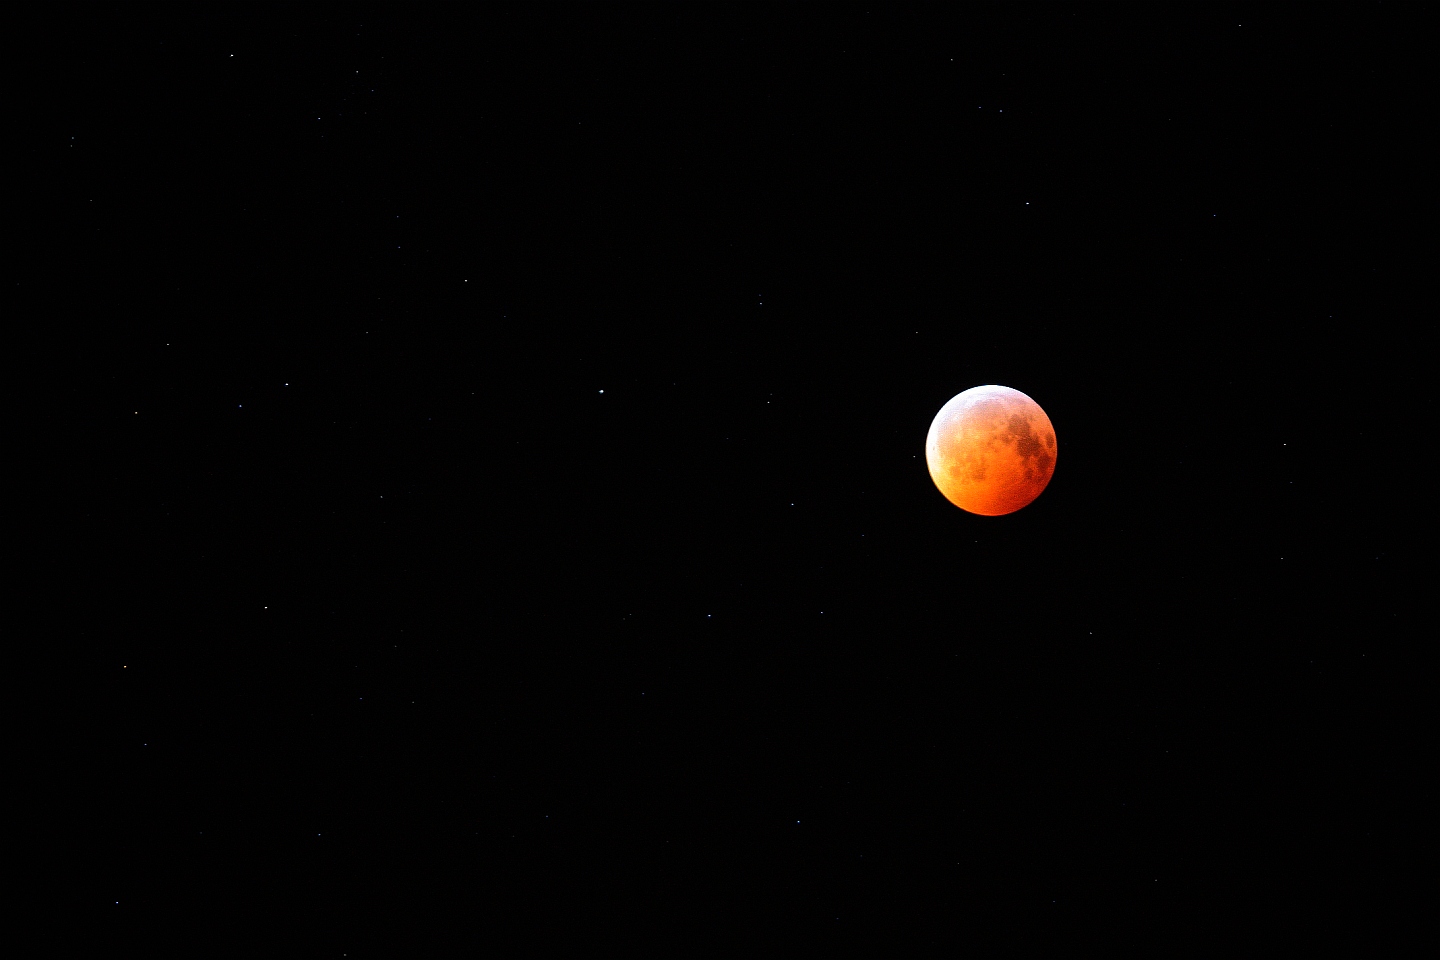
(991, 450)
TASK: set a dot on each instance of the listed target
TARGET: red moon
(991, 450)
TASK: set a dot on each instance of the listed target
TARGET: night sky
(493, 514)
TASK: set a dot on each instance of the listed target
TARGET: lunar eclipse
(991, 450)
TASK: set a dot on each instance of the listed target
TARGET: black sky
(495, 517)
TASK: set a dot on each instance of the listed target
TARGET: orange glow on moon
(991, 450)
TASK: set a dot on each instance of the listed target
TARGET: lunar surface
(991, 450)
